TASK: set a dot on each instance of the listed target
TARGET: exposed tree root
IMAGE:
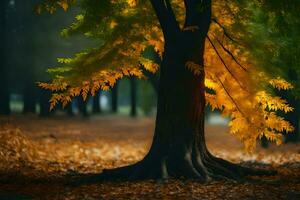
(190, 165)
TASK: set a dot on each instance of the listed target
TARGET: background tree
(114, 99)
(4, 91)
(96, 103)
(133, 100)
(27, 26)
(179, 36)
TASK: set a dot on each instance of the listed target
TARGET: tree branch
(198, 13)
(165, 16)
(225, 65)
(231, 55)
(224, 30)
(172, 15)
(232, 99)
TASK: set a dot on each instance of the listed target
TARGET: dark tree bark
(179, 148)
(44, 103)
(4, 98)
(133, 102)
(82, 106)
(26, 26)
(114, 98)
(264, 142)
(69, 109)
(97, 103)
(294, 118)
(29, 98)
(4, 91)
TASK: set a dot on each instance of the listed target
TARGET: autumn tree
(201, 63)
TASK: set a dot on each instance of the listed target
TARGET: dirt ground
(48, 149)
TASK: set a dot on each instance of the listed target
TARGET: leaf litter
(49, 149)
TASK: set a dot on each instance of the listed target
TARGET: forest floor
(37, 154)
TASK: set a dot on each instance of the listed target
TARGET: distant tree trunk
(294, 118)
(4, 99)
(82, 105)
(264, 142)
(133, 102)
(69, 109)
(97, 103)
(114, 98)
(4, 92)
(29, 99)
(26, 26)
(44, 103)
(4, 86)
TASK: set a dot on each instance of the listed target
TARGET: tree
(133, 102)
(27, 25)
(4, 91)
(96, 103)
(114, 99)
(179, 36)
(69, 109)
(44, 103)
(82, 107)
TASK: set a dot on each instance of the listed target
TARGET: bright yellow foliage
(280, 84)
(239, 89)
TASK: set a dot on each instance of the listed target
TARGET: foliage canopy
(127, 27)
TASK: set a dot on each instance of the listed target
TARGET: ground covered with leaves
(38, 155)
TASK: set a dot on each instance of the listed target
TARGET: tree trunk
(114, 99)
(179, 148)
(4, 99)
(69, 110)
(4, 91)
(28, 66)
(133, 90)
(44, 103)
(96, 103)
(29, 99)
(294, 118)
(264, 142)
(82, 106)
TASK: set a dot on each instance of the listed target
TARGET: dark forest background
(31, 43)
